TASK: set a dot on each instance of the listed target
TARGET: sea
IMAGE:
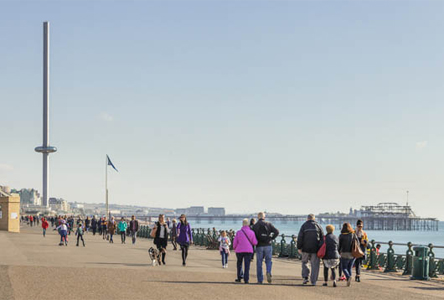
(383, 237)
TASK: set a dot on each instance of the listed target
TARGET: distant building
(58, 204)
(180, 211)
(195, 210)
(216, 211)
(28, 196)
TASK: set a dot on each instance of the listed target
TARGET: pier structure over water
(384, 216)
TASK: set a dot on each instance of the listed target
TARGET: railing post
(293, 250)
(372, 264)
(390, 267)
(432, 263)
(408, 260)
(283, 242)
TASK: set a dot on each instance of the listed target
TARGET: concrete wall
(10, 207)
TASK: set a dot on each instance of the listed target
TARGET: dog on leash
(154, 256)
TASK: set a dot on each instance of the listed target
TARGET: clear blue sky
(288, 106)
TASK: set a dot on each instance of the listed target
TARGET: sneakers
(358, 279)
(269, 277)
(237, 280)
(334, 283)
(342, 278)
(305, 281)
(325, 284)
(349, 281)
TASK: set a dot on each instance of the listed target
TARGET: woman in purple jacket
(184, 237)
(243, 244)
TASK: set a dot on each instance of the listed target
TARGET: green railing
(285, 246)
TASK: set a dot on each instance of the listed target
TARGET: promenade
(33, 267)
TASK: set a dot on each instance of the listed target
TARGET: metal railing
(286, 247)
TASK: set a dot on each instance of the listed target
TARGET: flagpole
(106, 187)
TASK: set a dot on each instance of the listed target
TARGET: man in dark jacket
(265, 234)
(310, 239)
(134, 227)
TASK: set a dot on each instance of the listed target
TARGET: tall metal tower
(45, 149)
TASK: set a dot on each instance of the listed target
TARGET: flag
(110, 163)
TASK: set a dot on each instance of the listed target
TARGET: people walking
(161, 236)
(331, 258)
(224, 248)
(265, 233)
(87, 224)
(122, 229)
(345, 251)
(134, 227)
(243, 245)
(99, 225)
(63, 231)
(79, 233)
(104, 228)
(112, 229)
(309, 241)
(45, 226)
(252, 222)
(94, 225)
(363, 242)
(174, 234)
(184, 237)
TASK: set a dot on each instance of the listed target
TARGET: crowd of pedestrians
(336, 253)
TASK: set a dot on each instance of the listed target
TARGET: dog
(154, 256)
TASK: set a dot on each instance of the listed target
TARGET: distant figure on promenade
(45, 226)
(363, 242)
(331, 258)
(243, 245)
(112, 229)
(37, 219)
(265, 234)
(134, 227)
(31, 220)
(310, 239)
(168, 222)
(184, 237)
(94, 225)
(161, 236)
(345, 249)
(174, 234)
(122, 229)
(252, 222)
(79, 233)
(63, 231)
(99, 225)
(224, 248)
(104, 230)
(87, 224)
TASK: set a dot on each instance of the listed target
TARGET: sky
(284, 106)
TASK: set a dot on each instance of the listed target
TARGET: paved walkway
(33, 267)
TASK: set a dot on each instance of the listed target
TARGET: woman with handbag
(345, 250)
(331, 257)
(160, 233)
(243, 244)
(363, 242)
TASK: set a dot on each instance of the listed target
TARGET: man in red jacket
(45, 225)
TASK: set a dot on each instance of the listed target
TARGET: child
(224, 248)
(63, 231)
(79, 234)
(45, 226)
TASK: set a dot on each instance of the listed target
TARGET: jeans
(261, 253)
(44, 232)
(246, 258)
(224, 255)
(347, 265)
(133, 236)
(80, 237)
(111, 238)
